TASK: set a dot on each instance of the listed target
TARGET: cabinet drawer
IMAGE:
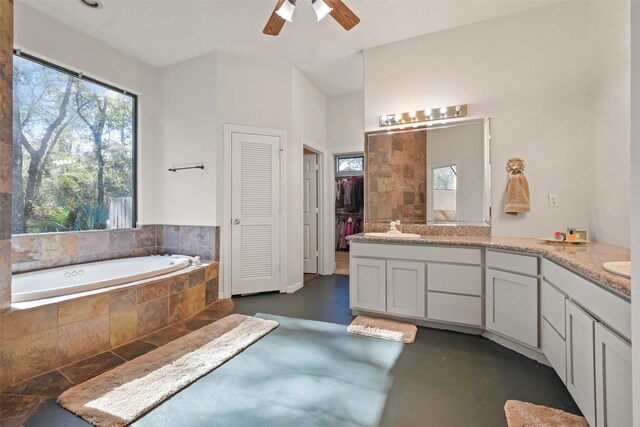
(611, 309)
(552, 307)
(418, 253)
(524, 264)
(455, 279)
(461, 309)
(553, 347)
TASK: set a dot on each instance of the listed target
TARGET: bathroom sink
(622, 268)
(394, 235)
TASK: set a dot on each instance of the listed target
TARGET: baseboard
(518, 348)
(292, 288)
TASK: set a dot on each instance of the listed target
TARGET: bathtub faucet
(195, 260)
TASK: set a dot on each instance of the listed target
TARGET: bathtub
(72, 279)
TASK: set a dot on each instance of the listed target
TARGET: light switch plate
(554, 201)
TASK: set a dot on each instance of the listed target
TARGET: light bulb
(397, 117)
(443, 110)
(412, 114)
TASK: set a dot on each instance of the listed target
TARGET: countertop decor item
(554, 240)
(517, 199)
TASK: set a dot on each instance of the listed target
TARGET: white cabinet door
(367, 284)
(613, 379)
(406, 288)
(512, 306)
(580, 360)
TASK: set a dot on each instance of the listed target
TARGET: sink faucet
(193, 260)
(393, 229)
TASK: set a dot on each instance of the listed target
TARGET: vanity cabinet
(592, 337)
(512, 296)
(440, 284)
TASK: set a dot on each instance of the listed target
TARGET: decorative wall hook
(188, 167)
(515, 166)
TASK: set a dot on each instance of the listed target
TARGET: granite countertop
(584, 259)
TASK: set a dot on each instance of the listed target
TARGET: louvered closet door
(255, 203)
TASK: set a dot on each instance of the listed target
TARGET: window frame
(349, 173)
(134, 127)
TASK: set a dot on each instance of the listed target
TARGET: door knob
(236, 221)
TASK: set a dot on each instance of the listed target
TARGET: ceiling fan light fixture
(321, 9)
(286, 10)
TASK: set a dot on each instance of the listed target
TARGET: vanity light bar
(427, 115)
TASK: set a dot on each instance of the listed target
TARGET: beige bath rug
(120, 396)
(521, 414)
(384, 328)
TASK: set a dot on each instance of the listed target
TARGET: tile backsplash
(37, 251)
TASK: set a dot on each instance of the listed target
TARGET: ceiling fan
(336, 8)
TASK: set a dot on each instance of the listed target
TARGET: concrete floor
(443, 379)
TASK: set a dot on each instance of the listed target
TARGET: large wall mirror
(437, 174)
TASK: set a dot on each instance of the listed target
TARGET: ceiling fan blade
(275, 23)
(343, 14)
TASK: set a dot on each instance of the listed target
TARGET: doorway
(310, 213)
(253, 232)
(349, 205)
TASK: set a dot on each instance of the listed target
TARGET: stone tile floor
(21, 400)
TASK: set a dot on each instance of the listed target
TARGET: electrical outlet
(554, 201)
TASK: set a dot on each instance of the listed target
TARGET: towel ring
(515, 166)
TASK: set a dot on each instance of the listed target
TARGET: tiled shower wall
(37, 251)
(6, 147)
(396, 178)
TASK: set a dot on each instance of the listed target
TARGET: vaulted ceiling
(164, 32)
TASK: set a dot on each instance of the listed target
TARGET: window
(74, 151)
(350, 164)
(445, 193)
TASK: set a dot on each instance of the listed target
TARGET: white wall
(309, 126)
(635, 202)
(609, 38)
(46, 38)
(345, 122)
(464, 146)
(187, 136)
(526, 72)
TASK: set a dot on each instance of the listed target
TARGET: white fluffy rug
(386, 329)
(120, 396)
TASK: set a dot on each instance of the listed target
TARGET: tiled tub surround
(37, 251)
(65, 330)
(585, 260)
(190, 240)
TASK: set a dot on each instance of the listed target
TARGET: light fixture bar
(426, 115)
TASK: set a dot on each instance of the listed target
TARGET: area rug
(522, 414)
(120, 396)
(386, 329)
